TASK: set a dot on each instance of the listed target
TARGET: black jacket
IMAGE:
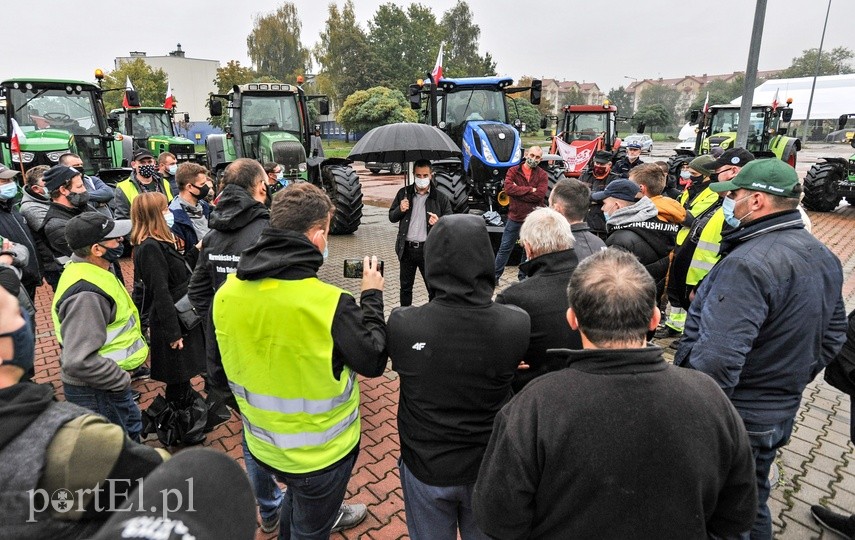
(618, 445)
(624, 165)
(54, 228)
(456, 356)
(586, 242)
(183, 228)
(595, 218)
(14, 227)
(436, 203)
(544, 297)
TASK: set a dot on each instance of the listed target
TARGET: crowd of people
(546, 410)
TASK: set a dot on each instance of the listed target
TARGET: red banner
(576, 154)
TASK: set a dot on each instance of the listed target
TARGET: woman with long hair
(177, 355)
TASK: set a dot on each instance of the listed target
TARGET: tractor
(153, 128)
(269, 122)
(58, 116)
(828, 181)
(474, 113)
(584, 130)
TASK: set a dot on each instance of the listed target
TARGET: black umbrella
(398, 143)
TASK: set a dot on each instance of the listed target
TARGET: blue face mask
(172, 169)
(728, 206)
(326, 249)
(23, 342)
(170, 219)
(606, 216)
(8, 191)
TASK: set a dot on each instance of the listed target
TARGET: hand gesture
(177, 345)
(405, 204)
(371, 277)
(432, 218)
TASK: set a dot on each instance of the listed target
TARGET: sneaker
(136, 395)
(666, 332)
(349, 516)
(141, 373)
(674, 344)
(842, 525)
(270, 524)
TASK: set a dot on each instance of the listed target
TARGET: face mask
(326, 249)
(685, 175)
(422, 183)
(698, 178)
(147, 171)
(531, 162)
(714, 177)
(23, 343)
(8, 191)
(172, 169)
(203, 191)
(280, 175)
(607, 216)
(78, 200)
(112, 254)
(600, 171)
(728, 206)
(170, 219)
(79, 169)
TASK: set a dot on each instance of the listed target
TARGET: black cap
(58, 175)
(737, 157)
(142, 153)
(622, 188)
(602, 157)
(199, 493)
(92, 227)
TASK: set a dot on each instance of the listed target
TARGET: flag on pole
(775, 101)
(18, 137)
(436, 74)
(169, 101)
(128, 86)
(707, 104)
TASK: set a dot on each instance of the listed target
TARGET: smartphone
(353, 268)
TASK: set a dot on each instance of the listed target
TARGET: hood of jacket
(642, 210)
(282, 255)
(459, 261)
(669, 210)
(235, 210)
(20, 405)
(789, 219)
(34, 198)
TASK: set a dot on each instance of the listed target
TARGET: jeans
(412, 260)
(509, 239)
(765, 440)
(118, 407)
(264, 486)
(436, 513)
(311, 504)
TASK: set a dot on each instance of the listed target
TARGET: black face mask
(79, 169)
(78, 200)
(714, 177)
(112, 254)
(203, 191)
(697, 179)
(23, 342)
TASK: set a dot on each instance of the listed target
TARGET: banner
(577, 154)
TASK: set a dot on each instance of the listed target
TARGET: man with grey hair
(548, 241)
(657, 452)
(572, 198)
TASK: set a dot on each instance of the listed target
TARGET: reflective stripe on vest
(131, 192)
(699, 205)
(706, 252)
(124, 343)
(275, 339)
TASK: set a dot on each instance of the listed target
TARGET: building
(557, 92)
(192, 79)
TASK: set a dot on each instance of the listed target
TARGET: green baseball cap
(770, 175)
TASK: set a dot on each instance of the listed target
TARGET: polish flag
(169, 103)
(436, 74)
(128, 86)
(18, 137)
(775, 100)
(707, 104)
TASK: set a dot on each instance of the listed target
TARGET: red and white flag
(775, 100)
(706, 108)
(128, 86)
(169, 103)
(18, 137)
(436, 74)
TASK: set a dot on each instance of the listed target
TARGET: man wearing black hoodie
(292, 346)
(456, 357)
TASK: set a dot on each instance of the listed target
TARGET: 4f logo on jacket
(419, 346)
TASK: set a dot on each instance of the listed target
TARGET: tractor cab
(55, 117)
(153, 128)
(582, 131)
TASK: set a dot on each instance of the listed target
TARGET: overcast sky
(585, 40)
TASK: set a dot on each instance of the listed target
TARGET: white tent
(834, 95)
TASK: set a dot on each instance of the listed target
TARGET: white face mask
(422, 183)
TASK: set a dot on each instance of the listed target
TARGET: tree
(461, 36)
(620, 99)
(545, 107)
(573, 97)
(656, 115)
(149, 83)
(274, 44)
(834, 62)
(345, 54)
(659, 94)
(401, 55)
(377, 106)
(528, 113)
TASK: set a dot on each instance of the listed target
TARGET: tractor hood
(283, 148)
(492, 143)
(45, 140)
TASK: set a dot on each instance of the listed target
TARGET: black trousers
(413, 258)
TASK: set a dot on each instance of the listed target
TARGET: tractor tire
(453, 186)
(343, 187)
(821, 194)
(555, 174)
(396, 168)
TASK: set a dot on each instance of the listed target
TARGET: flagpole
(816, 73)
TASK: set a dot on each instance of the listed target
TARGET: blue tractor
(474, 113)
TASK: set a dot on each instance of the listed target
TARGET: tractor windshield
(475, 104)
(57, 109)
(585, 126)
(145, 124)
(271, 113)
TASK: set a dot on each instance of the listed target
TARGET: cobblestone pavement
(817, 466)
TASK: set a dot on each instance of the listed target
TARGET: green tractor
(55, 117)
(153, 128)
(269, 122)
(831, 179)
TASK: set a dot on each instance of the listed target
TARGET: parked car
(645, 140)
(687, 144)
(375, 167)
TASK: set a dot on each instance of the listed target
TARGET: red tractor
(584, 130)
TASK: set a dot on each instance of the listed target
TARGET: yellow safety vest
(706, 252)
(131, 192)
(276, 344)
(125, 344)
(699, 204)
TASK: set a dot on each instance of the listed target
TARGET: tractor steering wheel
(58, 116)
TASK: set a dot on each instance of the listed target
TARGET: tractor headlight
(518, 154)
(302, 167)
(487, 153)
(54, 156)
(723, 145)
(26, 157)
